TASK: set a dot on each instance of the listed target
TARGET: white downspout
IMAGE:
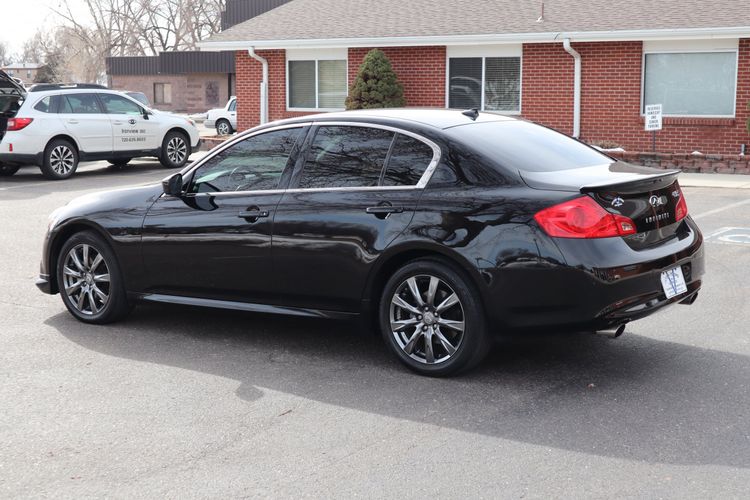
(576, 88)
(263, 85)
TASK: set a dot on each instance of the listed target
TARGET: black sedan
(442, 227)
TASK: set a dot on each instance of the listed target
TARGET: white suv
(224, 119)
(56, 126)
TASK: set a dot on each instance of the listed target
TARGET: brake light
(583, 218)
(15, 124)
(681, 210)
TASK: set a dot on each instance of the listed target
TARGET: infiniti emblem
(618, 202)
(131, 121)
(657, 201)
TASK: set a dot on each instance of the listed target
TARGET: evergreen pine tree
(376, 85)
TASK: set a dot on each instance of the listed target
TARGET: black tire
(175, 150)
(120, 162)
(470, 345)
(60, 160)
(116, 306)
(8, 170)
(223, 127)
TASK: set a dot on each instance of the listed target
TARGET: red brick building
(513, 57)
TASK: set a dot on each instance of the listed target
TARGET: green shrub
(376, 85)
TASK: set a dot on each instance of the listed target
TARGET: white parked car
(56, 126)
(223, 119)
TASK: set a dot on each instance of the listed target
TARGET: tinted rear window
(524, 146)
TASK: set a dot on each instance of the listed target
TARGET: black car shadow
(635, 398)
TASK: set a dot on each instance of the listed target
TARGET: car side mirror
(172, 185)
(145, 114)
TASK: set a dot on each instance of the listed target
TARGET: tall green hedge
(376, 85)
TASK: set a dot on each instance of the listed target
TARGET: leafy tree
(376, 85)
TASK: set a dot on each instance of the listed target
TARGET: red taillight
(681, 210)
(583, 218)
(15, 124)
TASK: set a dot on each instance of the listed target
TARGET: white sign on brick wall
(653, 117)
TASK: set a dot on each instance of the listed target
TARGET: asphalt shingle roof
(332, 19)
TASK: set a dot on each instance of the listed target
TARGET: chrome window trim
(426, 176)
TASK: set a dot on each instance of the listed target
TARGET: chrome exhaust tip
(612, 332)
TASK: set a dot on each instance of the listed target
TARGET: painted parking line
(721, 209)
(730, 236)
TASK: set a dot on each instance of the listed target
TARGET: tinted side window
(81, 104)
(346, 157)
(409, 160)
(233, 106)
(254, 164)
(118, 105)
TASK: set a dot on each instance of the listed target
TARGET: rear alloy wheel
(432, 319)
(60, 160)
(223, 127)
(90, 281)
(8, 170)
(175, 150)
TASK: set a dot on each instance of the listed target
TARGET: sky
(21, 19)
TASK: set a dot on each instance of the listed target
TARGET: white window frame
(317, 56)
(484, 52)
(692, 47)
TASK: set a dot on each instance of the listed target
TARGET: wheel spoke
(70, 272)
(77, 261)
(398, 301)
(101, 278)
(399, 326)
(92, 301)
(97, 260)
(72, 288)
(429, 353)
(414, 288)
(81, 297)
(445, 342)
(432, 290)
(85, 252)
(453, 325)
(449, 302)
(102, 296)
(409, 347)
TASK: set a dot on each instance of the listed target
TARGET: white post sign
(653, 117)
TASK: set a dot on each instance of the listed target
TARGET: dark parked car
(443, 227)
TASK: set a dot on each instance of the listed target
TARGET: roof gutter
(576, 87)
(548, 37)
(263, 85)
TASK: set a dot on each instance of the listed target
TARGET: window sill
(315, 110)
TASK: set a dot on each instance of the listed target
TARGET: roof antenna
(472, 113)
(541, 18)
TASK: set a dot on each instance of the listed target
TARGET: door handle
(383, 211)
(73, 122)
(117, 123)
(252, 214)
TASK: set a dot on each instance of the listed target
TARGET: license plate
(673, 282)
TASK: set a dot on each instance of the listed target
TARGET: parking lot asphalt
(177, 402)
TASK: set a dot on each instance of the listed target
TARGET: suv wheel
(8, 170)
(223, 127)
(175, 150)
(60, 160)
(89, 279)
(432, 318)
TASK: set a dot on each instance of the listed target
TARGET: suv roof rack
(41, 87)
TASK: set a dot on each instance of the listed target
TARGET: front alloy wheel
(90, 281)
(175, 150)
(86, 279)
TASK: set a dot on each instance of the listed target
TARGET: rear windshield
(524, 146)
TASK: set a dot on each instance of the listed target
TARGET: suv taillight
(583, 218)
(15, 124)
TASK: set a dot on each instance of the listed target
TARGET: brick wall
(188, 91)
(611, 99)
(420, 69)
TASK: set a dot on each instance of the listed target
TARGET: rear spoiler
(616, 176)
(638, 184)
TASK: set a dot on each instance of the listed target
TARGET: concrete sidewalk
(733, 181)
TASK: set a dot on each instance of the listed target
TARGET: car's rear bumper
(582, 292)
(21, 159)
(209, 123)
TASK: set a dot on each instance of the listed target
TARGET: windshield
(524, 146)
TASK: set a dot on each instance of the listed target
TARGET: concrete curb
(731, 181)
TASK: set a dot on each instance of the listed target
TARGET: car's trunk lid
(648, 196)
(11, 95)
